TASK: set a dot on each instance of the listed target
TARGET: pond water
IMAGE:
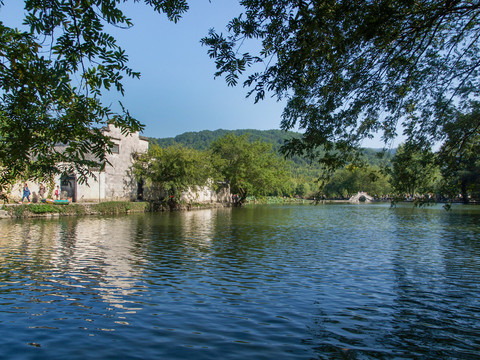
(335, 281)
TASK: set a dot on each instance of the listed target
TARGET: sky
(177, 91)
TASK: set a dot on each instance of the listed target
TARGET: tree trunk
(463, 189)
(239, 200)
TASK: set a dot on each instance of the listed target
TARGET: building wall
(120, 183)
(93, 191)
(115, 183)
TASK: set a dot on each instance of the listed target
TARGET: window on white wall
(115, 149)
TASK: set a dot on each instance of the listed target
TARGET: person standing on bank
(26, 193)
(57, 193)
(41, 191)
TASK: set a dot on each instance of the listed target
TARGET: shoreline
(40, 210)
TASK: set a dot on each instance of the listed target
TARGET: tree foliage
(303, 174)
(414, 170)
(459, 157)
(250, 168)
(352, 69)
(51, 79)
(202, 140)
(174, 169)
(348, 181)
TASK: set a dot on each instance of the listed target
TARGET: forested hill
(201, 140)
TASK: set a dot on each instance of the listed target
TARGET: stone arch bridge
(361, 197)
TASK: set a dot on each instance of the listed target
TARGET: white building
(116, 182)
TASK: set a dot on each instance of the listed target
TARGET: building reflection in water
(85, 255)
(198, 227)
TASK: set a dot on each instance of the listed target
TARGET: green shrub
(42, 208)
(111, 207)
(119, 207)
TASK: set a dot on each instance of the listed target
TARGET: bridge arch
(361, 196)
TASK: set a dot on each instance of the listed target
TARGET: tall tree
(251, 168)
(350, 180)
(351, 68)
(174, 169)
(459, 157)
(51, 80)
(413, 170)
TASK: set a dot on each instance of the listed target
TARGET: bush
(42, 208)
(119, 207)
(112, 207)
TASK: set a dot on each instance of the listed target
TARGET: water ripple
(289, 282)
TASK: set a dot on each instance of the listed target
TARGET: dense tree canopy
(413, 171)
(171, 170)
(459, 157)
(249, 168)
(350, 69)
(51, 79)
(451, 171)
(303, 174)
(348, 181)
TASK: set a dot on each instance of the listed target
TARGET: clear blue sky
(177, 91)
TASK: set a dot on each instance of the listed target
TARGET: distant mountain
(201, 140)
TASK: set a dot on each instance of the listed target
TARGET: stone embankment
(103, 208)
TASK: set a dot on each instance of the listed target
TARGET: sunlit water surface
(264, 282)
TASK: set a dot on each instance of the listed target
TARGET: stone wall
(206, 194)
(201, 195)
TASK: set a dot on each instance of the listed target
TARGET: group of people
(41, 193)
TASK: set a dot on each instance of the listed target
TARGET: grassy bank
(103, 208)
(276, 200)
(121, 207)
